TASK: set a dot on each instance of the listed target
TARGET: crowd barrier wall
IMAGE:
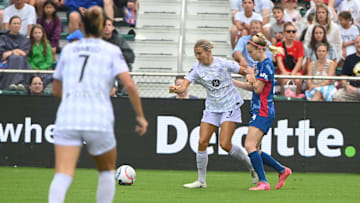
(306, 136)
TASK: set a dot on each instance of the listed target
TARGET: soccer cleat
(195, 184)
(260, 186)
(254, 176)
(282, 177)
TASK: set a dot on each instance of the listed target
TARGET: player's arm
(179, 88)
(242, 85)
(135, 101)
(258, 86)
(57, 88)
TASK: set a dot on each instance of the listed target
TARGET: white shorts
(97, 142)
(217, 118)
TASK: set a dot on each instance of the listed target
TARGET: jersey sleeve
(232, 66)
(264, 73)
(192, 74)
(119, 64)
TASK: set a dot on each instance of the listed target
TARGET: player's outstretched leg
(240, 154)
(201, 163)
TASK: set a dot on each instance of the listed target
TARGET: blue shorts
(260, 122)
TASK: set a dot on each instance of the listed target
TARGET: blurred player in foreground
(83, 79)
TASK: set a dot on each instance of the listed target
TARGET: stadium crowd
(306, 30)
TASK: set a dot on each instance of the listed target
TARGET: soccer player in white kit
(222, 106)
(83, 80)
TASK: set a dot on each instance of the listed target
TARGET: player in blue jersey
(260, 81)
(222, 106)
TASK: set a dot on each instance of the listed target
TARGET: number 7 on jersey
(83, 67)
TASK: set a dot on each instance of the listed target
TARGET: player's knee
(250, 147)
(203, 145)
(225, 146)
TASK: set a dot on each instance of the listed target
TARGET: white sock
(201, 163)
(106, 187)
(240, 154)
(59, 185)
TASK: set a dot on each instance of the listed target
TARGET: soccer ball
(125, 175)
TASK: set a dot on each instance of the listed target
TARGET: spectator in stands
(242, 21)
(185, 95)
(350, 90)
(352, 6)
(111, 35)
(40, 56)
(277, 28)
(40, 5)
(310, 19)
(320, 90)
(318, 36)
(262, 7)
(333, 35)
(290, 62)
(26, 13)
(36, 86)
(130, 13)
(241, 54)
(349, 32)
(291, 14)
(14, 49)
(77, 8)
(52, 25)
(316, 3)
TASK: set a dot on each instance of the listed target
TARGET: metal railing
(180, 59)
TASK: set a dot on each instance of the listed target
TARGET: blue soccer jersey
(262, 104)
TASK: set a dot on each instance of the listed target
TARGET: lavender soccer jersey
(87, 70)
(216, 79)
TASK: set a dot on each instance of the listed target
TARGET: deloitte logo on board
(303, 141)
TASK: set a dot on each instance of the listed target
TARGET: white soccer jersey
(216, 79)
(87, 70)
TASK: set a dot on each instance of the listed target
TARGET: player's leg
(105, 164)
(226, 133)
(206, 131)
(102, 147)
(252, 141)
(66, 158)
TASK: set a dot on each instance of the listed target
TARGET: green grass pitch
(29, 185)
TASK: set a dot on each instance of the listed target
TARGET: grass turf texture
(23, 184)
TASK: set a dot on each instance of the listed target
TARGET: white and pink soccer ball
(125, 175)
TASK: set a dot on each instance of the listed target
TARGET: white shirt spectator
(240, 16)
(349, 35)
(87, 70)
(216, 79)
(27, 15)
(259, 5)
(353, 6)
